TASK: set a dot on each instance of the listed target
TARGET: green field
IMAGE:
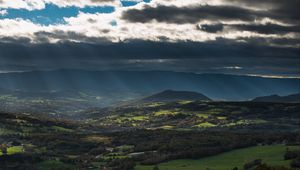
(13, 150)
(272, 155)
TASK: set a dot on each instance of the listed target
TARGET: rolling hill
(171, 95)
(293, 98)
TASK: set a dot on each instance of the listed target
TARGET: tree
(296, 163)
(3, 149)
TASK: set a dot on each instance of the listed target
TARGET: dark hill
(294, 98)
(171, 95)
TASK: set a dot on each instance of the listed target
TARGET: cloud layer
(261, 37)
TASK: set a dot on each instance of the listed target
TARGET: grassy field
(272, 155)
(13, 150)
(205, 125)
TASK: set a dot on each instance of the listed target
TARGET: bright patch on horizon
(234, 68)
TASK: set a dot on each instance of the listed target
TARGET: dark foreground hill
(294, 98)
(171, 95)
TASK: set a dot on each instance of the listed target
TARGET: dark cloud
(252, 55)
(174, 14)
(44, 37)
(285, 10)
(213, 28)
(17, 40)
(267, 3)
(267, 29)
(258, 28)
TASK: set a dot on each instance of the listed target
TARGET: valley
(144, 135)
(139, 125)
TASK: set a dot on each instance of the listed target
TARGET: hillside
(171, 95)
(294, 98)
(197, 115)
(143, 134)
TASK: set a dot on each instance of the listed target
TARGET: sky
(257, 37)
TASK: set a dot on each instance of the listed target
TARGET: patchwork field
(271, 155)
(195, 115)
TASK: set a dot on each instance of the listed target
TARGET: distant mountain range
(109, 84)
(294, 98)
(171, 95)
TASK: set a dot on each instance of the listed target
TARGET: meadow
(271, 155)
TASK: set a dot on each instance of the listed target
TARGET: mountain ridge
(293, 98)
(144, 83)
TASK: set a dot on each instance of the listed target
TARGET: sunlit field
(271, 155)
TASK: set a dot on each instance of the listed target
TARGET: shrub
(291, 155)
(155, 167)
(252, 164)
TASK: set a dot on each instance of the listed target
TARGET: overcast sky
(256, 37)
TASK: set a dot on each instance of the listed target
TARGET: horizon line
(89, 70)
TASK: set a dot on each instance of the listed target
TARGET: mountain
(294, 98)
(171, 95)
(115, 85)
